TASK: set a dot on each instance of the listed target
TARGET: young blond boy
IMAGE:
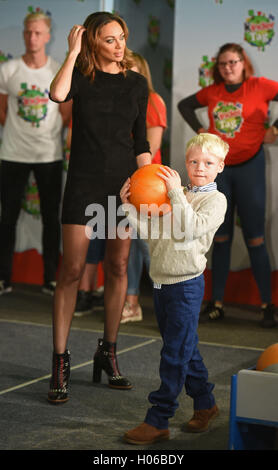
(176, 268)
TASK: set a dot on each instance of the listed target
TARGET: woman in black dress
(108, 144)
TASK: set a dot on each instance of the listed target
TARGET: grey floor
(96, 417)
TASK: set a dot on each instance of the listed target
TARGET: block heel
(97, 371)
(105, 359)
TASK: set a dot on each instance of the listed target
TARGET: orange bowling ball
(268, 360)
(147, 188)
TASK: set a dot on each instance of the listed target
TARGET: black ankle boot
(268, 320)
(59, 383)
(105, 359)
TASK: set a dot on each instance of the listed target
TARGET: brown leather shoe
(146, 434)
(201, 419)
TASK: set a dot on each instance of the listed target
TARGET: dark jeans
(244, 188)
(96, 251)
(14, 178)
(138, 256)
(177, 308)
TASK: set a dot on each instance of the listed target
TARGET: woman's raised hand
(75, 37)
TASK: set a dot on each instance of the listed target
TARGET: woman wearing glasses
(237, 110)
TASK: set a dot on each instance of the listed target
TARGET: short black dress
(108, 132)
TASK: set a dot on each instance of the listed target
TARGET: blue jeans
(139, 254)
(96, 251)
(244, 188)
(177, 309)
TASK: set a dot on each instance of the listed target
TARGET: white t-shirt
(32, 131)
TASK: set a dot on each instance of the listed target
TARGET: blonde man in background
(32, 126)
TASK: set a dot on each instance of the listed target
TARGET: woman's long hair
(87, 62)
(233, 47)
(143, 67)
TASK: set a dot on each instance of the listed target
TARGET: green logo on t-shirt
(32, 104)
(228, 118)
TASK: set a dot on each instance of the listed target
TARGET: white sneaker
(49, 288)
(131, 313)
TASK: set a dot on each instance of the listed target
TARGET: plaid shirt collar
(202, 189)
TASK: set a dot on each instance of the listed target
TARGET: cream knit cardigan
(179, 240)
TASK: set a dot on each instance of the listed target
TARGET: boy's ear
(221, 167)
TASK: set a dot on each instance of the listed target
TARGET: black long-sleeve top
(108, 133)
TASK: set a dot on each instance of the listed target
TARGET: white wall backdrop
(201, 27)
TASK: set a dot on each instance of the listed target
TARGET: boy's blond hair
(36, 16)
(210, 143)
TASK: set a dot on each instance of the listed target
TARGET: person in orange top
(237, 104)
(156, 122)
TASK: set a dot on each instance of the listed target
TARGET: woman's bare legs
(75, 247)
(115, 286)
